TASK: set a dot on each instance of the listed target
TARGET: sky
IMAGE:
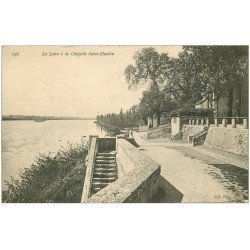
(57, 81)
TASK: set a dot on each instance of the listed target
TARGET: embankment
(233, 140)
(191, 130)
(57, 178)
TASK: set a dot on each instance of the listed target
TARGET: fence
(206, 121)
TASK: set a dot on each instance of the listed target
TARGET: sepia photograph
(125, 124)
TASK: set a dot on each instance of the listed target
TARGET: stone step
(102, 172)
(98, 175)
(106, 154)
(105, 161)
(109, 179)
(100, 184)
(105, 165)
(95, 190)
(105, 170)
(105, 158)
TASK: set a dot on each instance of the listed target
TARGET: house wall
(222, 107)
(203, 105)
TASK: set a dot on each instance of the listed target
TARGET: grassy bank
(52, 178)
(111, 130)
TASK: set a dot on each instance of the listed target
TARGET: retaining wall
(229, 139)
(138, 177)
(106, 144)
(191, 130)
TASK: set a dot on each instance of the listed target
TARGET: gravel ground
(200, 173)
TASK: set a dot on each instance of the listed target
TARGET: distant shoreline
(34, 118)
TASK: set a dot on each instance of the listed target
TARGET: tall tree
(220, 70)
(150, 68)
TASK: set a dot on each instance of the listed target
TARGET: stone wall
(191, 130)
(90, 161)
(229, 139)
(138, 177)
(106, 144)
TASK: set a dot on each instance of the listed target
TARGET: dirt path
(201, 174)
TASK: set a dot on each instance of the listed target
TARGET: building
(220, 105)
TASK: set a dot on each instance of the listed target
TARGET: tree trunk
(238, 100)
(158, 119)
(230, 102)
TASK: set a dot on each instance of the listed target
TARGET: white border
(148, 226)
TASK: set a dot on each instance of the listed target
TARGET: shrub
(186, 111)
(52, 178)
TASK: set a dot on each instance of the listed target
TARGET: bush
(52, 178)
(186, 111)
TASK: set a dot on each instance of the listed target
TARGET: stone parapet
(138, 177)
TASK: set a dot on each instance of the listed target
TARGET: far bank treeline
(34, 117)
(175, 85)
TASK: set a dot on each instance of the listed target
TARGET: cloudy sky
(53, 80)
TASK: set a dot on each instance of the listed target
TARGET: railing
(233, 121)
(90, 167)
(206, 121)
(193, 120)
(199, 121)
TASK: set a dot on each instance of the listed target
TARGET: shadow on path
(232, 177)
(166, 193)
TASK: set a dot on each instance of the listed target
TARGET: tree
(154, 102)
(184, 85)
(150, 68)
(220, 70)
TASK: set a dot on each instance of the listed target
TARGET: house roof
(201, 102)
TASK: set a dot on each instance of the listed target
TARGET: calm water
(22, 141)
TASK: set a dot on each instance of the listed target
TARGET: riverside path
(200, 174)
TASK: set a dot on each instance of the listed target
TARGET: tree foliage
(150, 68)
(175, 85)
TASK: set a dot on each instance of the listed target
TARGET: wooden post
(202, 121)
(197, 121)
(190, 122)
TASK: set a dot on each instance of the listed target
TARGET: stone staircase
(105, 171)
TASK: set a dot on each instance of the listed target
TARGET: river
(22, 141)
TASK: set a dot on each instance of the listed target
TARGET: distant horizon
(49, 117)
